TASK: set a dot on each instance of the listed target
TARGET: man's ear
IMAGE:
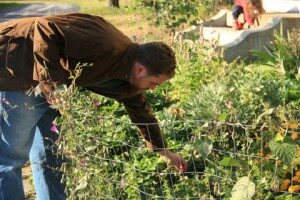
(141, 70)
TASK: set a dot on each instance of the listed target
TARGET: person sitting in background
(250, 9)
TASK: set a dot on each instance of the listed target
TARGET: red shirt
(247, 15)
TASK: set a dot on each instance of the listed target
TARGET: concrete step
(223, 35)
(240, 44)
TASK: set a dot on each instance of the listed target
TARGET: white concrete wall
(290, 6)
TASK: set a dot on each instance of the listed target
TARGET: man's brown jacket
(44, 50)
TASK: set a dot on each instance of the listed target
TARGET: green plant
(224, 119)
(284, 55)
(197, 64)
(175, 14)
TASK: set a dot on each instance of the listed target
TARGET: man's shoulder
(72, 17)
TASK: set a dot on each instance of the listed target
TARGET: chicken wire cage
(225, 161)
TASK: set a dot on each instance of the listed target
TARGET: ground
(27, 181)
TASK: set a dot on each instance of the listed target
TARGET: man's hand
(175, 160)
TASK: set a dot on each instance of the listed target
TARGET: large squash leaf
(244, 189)
(284, 150)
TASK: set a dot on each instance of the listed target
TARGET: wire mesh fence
(225, 160)
(107, 159)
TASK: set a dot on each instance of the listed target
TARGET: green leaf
(82, 184)
(267, 112)
(230, 162)
(279, 137)
(90, 148)
(285, 151)
(204, 147)
(223, 117)
(244, 189)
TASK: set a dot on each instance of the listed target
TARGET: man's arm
(139, 111)
(48, 44)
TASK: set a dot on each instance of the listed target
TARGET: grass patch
(4, 6)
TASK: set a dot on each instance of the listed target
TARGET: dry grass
(27, 182)
(128, 21)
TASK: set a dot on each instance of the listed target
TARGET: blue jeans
(20, 115)
(237, 11)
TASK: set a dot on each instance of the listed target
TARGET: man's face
(141, 80)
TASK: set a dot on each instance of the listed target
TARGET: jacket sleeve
(139, 111)
(48, 45)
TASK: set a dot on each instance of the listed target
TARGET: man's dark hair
(157, 57)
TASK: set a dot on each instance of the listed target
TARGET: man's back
(31, 47)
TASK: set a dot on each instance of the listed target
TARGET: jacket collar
(124, 68)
